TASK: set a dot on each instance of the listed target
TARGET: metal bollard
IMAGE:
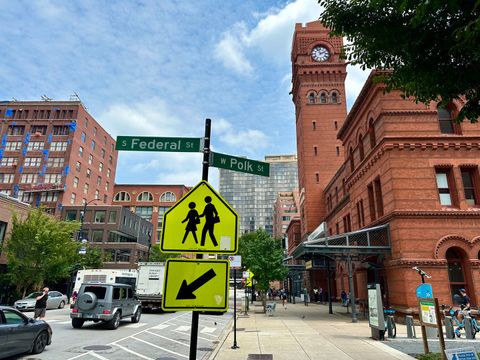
(390, 321)
(410, 327)
(468, 328)
(449, 330)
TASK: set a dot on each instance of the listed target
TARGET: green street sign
(239, 164)
(170, 144)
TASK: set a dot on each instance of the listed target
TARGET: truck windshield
(99, 291)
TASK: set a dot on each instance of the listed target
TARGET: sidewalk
(303, 332)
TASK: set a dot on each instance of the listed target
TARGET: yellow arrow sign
(201, 222)
(196, 285)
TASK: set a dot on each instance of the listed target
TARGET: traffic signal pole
(206, 163)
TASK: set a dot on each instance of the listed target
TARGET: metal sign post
(235, 263)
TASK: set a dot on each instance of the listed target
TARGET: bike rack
(449, 328)
(469, 328)
(411, 334)
(390, 322)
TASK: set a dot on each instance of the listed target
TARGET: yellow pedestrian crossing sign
(200, 222)
(196, 285)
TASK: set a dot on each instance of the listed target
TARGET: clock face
(320, 53)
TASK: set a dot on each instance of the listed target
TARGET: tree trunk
(264, 301)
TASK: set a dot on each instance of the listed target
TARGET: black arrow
(186, 291)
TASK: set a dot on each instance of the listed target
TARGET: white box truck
(106, 276)
(150, 284)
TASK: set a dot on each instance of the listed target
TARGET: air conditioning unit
(38, 133)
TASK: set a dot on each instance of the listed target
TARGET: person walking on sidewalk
(283, 295)
(305, 296)
(41, 305)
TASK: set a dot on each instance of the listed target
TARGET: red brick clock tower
(318, 77)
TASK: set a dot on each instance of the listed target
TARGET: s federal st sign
(169, 144)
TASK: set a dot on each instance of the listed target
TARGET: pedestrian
(305, 296)
(41, 305)
(315, 294)
(283, 294)
(320, 295)
(465, 304)
(343, 296)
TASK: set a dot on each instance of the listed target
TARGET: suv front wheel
(115, 322)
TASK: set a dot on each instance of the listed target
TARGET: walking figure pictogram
(193, 219)
(211, 218)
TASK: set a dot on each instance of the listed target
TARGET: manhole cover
(215, 342)
(205, 349)
(260, 357)
(97, 347)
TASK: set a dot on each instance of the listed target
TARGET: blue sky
(159, 68)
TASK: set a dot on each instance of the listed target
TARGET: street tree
(431, 47)
(40, 248)
(156, 255)
(263, 255)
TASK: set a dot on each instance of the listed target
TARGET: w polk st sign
(169, 144)
(239, 164)
(200, 222)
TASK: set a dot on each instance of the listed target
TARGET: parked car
(56, 300)
(108, 303)
(19, 334)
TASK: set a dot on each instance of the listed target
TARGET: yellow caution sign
(248, 281)
(200, 222)
(196, 285)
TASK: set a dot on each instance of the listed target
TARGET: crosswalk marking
(183, 328)
(161, 326)
(208, 330)
(137, 325)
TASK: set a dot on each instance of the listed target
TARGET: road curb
(223, 337)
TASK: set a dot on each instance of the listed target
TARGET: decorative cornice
(416, 262)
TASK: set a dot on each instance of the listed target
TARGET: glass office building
(253, 196)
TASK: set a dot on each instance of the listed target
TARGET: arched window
(311, 98)
(145, 196)
(360, 147)
(334, 98)
(168, 196)
(122, 196)
(323, 98)
(371, 134)
(456, 270)
(352, 164)
(446, 123)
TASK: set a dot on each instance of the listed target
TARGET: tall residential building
(253, 196)
(285, 210)
(54, 153)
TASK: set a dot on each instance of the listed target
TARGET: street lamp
(82, 217)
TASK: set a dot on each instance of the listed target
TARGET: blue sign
(467, 353)
(9, 112)
(424, 291)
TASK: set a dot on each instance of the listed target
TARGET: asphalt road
(158, 336)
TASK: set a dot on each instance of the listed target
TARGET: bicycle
(390, 322)
(460, 322)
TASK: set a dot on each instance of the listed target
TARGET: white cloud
(148, 118)
(230, 50)
(248, 140)
(353, 85)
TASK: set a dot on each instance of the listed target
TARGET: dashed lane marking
(167, 338)
(161, 326)
(135, 326)
(94, 354)
(202, 338)
(159, 347)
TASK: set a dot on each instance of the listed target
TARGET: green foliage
(40, 249)
(93, 259)
(433, 47)
(156, 255)
(264, 256)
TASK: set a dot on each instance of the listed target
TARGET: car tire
(61, 305)
(40, 342)
(77, 323)
(114, 322)
(137, 315)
